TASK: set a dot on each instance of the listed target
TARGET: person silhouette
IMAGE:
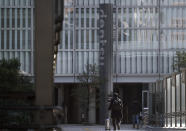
(116, 107)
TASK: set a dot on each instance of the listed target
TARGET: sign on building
(105, 55)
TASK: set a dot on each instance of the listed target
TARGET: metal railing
(160, 120)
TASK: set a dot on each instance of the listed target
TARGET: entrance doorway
(130, 92)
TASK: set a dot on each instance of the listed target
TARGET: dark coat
(135, 107)
(116, 114)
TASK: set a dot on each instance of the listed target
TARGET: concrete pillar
(79, 111)
(92, 108)
(60, 96)
(44, 38)
(77, 106)
(105, 57)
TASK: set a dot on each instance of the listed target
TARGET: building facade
(16, 32)
(146, 36)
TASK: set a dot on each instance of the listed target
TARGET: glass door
(145, 106)
(145, 100)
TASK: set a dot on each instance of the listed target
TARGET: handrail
(159, 119)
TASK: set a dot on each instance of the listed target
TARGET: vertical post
(159, 41)
(171, 101)
(44, 39)
(92, 107)
(105, 57)
(166, 103)
(175, 100)
(180, 99)
(156, 101)
(184, 80)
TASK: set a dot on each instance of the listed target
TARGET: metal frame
(145, 91)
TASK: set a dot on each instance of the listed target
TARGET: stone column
(44, 39)
(92, 108)
(60, 95)
(105, 57)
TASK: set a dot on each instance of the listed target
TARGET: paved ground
(102, 128)
(94, 128)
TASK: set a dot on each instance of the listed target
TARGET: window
(29, 18)
(82, 17)
(23, 16)
(8, 18)
(18, 18)
(76, 39)
(92, 39)
(23, 39)
(178, 36)
(87, 39)
(71, 39)
(87, 17)
(68, 2)
(71, 16)
(93, 18)
(13, 2)
(18, 2)
(22, 2)
(7, 2)
(2, 18)
(18, 39)
(2, 40)
(66, 39)
(7, 39)
(82, 38)
(13, 18)
(77, 17)
(2, 2)
(29, 2)
(13, 39)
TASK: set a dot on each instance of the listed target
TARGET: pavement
(124, 127)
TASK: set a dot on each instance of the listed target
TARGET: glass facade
(16, 32)
(146, 37)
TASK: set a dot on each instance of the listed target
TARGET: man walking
(116, 106)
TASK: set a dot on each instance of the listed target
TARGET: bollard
(107, 124)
